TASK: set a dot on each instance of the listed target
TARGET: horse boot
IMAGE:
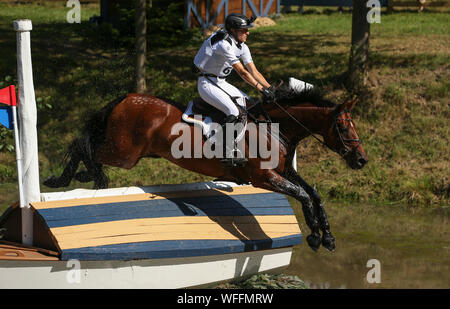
(231, 156)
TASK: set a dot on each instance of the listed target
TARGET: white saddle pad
(207, 125)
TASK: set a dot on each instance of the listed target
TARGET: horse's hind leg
(94, 173)
(282, 185)
(327, 238)
(69, 170)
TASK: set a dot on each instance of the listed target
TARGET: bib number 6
(227, 71)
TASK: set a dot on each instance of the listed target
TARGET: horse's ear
(348, 105)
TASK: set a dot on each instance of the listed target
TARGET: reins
(299, 123)
(346, 148)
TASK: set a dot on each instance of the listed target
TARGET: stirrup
(234, 162)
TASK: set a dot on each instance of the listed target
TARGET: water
(412, 246)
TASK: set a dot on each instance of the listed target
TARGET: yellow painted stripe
(175, 228)
(146, 196)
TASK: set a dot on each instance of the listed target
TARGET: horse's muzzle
(357, 160)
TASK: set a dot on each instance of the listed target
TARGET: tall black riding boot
(230, 158)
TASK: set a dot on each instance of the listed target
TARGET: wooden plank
(17, 251)
(182, 220)
(134, 224)
(11, 253)
(237, 205)
(147, 196)
(198, 12)
(121, 239)
(126, 228)
(177, 249)
(172, 231)
(143, 230)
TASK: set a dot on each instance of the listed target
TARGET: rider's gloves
(268, 93)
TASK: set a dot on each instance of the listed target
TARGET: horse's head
(335, 125)
(342, 138)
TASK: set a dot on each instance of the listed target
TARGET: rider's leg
(216, 97)
(220, 99)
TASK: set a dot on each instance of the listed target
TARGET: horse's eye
(345, 130)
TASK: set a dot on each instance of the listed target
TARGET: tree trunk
(360, 45)
(141, 45)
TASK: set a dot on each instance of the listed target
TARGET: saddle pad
(205, 123)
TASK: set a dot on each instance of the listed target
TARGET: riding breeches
(220, 97)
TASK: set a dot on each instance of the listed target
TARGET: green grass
(403, 124)
(47, 13)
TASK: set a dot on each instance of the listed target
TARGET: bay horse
(139, 125)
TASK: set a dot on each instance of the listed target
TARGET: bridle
(345, 149)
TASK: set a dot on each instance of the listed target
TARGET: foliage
(6, 135)
(164, 26)
(266, 281)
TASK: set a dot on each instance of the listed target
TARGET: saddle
(205, 115)
(201, 107)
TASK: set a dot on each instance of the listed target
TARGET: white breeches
(218, 98)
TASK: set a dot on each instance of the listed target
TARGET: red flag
(8, 95)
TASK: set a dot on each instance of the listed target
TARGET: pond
(411, 245)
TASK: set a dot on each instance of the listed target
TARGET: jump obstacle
(169, 236)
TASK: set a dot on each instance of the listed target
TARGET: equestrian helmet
(238, 21)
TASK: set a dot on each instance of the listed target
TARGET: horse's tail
(84, 149)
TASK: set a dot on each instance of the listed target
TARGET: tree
(360, 45)
(141, 45)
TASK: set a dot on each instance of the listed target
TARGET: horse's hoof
(83, 176)
(328, 242)
(313, 241)
(51, 182)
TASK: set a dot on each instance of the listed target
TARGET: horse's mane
(289, 97)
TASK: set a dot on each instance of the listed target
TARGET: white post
(27, 126)
(18, 155)
(294, 160)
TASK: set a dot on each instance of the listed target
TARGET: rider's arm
(247, 76)
(257, 75)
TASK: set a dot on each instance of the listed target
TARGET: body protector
(219, 52)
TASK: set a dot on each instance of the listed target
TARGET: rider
(222, 52)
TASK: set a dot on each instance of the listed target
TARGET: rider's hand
(268, 94)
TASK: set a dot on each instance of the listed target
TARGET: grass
(403, 124)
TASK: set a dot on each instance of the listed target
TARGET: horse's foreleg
(277, 183)
(327, 238)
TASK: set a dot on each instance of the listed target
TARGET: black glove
(268, 94)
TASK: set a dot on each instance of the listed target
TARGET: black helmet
(238, 21)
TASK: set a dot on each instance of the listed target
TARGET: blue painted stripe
(176, 249)
(224, 205)
(6, 117)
